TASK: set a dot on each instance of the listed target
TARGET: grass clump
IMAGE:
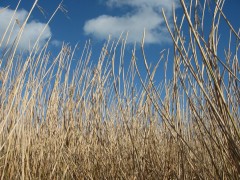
(95, 123)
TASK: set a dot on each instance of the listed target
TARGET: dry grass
(95, 123)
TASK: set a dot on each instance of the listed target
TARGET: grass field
(95, 123)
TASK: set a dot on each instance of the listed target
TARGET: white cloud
(56, 43)
(31, 32)
(145, 14)
(166, 4)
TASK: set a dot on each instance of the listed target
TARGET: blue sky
(95, 19)
(99, 18)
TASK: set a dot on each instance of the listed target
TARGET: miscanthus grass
(94, 122)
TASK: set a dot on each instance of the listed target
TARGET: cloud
(144, 14)
(56, 43)
(31, 31)
(167, 4)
